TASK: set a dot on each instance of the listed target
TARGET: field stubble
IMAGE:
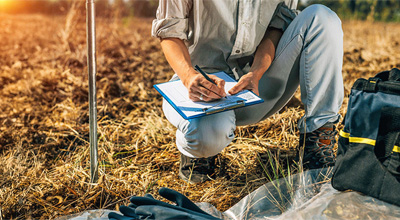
(44, 149)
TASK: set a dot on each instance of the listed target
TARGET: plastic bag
(307, 195)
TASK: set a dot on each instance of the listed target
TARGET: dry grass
(44, 150)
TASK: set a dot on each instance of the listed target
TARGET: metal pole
(91, 56)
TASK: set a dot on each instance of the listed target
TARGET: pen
(207, 78)
(204, 74)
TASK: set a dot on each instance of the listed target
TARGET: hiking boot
(196, 170)
(318, 147)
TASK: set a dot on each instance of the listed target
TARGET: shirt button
(237, 51)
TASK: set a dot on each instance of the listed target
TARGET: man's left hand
(248, 81)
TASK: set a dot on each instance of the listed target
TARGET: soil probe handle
(91, 46)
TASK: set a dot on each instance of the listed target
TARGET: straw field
(44, 131)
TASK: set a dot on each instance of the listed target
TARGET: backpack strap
(372, 84)
(394, 75)
(384, 75)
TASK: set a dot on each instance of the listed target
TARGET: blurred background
(374, 10)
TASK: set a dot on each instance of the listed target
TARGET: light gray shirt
(221, 34)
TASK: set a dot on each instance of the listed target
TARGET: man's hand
(262, 60)
(200, 89)
(248, 81)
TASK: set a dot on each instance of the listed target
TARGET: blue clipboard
(175, 94)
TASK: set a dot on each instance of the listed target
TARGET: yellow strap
(344, 134)
(360, 140)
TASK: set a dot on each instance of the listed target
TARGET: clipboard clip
(219, 108)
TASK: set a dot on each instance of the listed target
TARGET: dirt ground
(44, 149)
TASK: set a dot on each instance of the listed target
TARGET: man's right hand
(200, 89)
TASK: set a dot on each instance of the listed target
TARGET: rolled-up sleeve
(172, 19)
(282, 17)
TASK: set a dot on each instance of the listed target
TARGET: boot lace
(202, 165)
(320, 148)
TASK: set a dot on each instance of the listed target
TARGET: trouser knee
(206, 136)
(324, 17)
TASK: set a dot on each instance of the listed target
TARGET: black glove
(149, 208)
(128, 214)
(128, 211)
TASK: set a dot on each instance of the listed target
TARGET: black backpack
(368, 156)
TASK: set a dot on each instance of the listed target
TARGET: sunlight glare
(4, 3)
(7, 5)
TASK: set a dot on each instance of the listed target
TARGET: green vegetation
(371, 10)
